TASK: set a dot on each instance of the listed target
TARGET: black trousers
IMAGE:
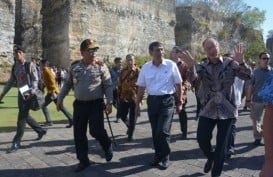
(23, 118)
(160, 112)
(116, 102)
(126, 107)
(48, 100)
(204, 136)
(89, 113)
(183, 119)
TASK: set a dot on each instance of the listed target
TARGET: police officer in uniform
(27, 79)
(91, 81)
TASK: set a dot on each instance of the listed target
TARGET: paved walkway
(54, 155)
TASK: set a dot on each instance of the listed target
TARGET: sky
(266, 5)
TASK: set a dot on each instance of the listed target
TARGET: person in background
(238, 89)
(127, 91)
(115, 72)
(253, 101)
(52, 93)
(59, 77)
(161, 78)
(183, 69)
(91, 82)
(252, 65)
(26, 79)
(195, 88)
(217, 98)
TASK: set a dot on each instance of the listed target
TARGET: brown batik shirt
(127, 88)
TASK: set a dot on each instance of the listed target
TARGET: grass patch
(9, 111)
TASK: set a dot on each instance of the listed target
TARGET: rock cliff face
(196, 23)
(120, 27)
(29, 26)
(53, 29)
(7, 31)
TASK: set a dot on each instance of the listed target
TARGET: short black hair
(117, 59)
(177, 49)
(43, 61)
(263, 53)
(17, 48)
(155, 44)
(129, 56)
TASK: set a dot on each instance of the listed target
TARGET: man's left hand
(108, 108)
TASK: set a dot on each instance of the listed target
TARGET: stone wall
(194, 25)
(30, 27)
(120, 27)
(7, 19)
(55, 35)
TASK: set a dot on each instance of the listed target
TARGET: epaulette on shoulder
(75, 62)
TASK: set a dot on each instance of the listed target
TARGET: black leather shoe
(130, 138)
(208, 166)
(184, 136)
(155, 162)
(229, 154)
(109, 153)
(70, 124)
(48, 124)
(40, 135)
(165, 163)
(13, 148)
(81, 166)
(257, 142)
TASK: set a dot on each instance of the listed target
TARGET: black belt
(89, 101)
(160, 96)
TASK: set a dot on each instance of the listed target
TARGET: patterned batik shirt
(217, 88)
(127, 88)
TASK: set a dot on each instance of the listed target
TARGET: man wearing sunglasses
(91, 81)
(253, 101)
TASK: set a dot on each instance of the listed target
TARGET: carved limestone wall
(120, 27)
(7, 20)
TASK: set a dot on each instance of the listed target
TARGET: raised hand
(239, 53)
(188, 58)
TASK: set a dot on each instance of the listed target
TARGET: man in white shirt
(161, 78)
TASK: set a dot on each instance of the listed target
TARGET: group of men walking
(165, 81)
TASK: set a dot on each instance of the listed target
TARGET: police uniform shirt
(159, 80)
(20, 76)
(90, 82)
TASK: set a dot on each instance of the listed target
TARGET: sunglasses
(92, 50)
(265, 58)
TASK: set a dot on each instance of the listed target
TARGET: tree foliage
(238, 15)
(251, 17)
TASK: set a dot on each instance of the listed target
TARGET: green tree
(253, 18)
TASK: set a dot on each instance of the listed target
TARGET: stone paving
(54, 155)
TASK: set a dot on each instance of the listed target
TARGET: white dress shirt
(159, 80)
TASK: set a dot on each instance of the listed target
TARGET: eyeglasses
(265, 58)
(93, 50)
